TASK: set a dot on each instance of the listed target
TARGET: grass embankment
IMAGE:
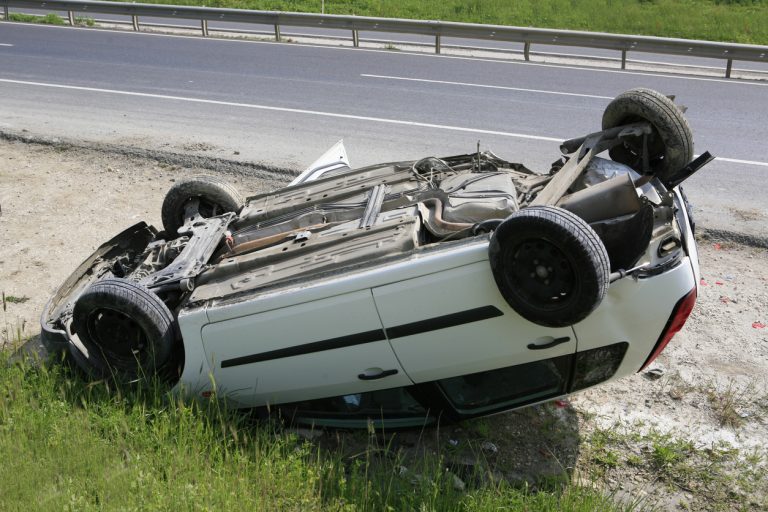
(67, 445)
(742, 21)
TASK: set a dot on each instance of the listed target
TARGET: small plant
(84, 21)
(12, 299)
(606, 458)
(728, 405)
(665, 455)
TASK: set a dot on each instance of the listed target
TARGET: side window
(512, 386)
(392, 408)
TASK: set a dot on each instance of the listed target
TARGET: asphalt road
(283, 104)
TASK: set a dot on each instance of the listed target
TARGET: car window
(505, 387)
(387, 407)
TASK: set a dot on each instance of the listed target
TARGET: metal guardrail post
(623, 59)
(135, 20)
(438, 44)
(527, 51)
(355, 38)
(277, 32)
(204, 27)
(5, 13)
(71, 16)
(728, 68)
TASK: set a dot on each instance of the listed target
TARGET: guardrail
(438, 29)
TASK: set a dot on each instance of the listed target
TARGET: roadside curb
(166, 157)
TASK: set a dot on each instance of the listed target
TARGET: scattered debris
(458, 483)
(413, 478)
(307, 434)
(758, 325)
(654, 373)
(489, 447)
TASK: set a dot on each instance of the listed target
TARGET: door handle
(380, 374)
(555, 342)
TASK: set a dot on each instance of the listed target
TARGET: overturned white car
(403, 292)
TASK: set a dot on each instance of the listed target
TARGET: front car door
(317, 349)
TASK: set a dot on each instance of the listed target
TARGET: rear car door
(316, 349)
(456, 323)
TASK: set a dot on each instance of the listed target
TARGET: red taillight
(676, 322)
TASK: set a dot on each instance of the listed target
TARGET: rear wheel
(213, 195)
(549, 265)
(126, 330)
(669, 146)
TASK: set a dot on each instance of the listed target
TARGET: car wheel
(670, 145)
(549, 265)
(215, 197)
(127, 331)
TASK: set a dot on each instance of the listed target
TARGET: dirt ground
(709, 388)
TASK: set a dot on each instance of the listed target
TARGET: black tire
(549, 265)
(216, 197)
(670, 146)
(129, 333)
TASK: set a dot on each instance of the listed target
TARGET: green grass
(744, 21)
(48, 19)
(68, 445)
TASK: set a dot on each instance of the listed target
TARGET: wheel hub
(541, 273)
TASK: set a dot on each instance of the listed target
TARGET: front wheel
(126, 330)
(549, 265)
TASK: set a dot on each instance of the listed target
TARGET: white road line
(291, 110)
(484, 86)
(5, 44)
(737, 161)
(422, 55)
(320, 113)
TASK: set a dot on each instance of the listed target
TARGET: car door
(316, 349)
(455, 322)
